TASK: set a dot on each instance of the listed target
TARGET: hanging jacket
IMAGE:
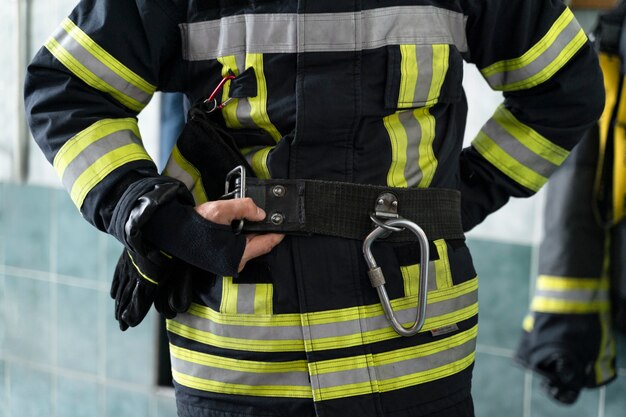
(362, 92)
(568, 333)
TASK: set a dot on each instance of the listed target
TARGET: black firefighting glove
(562, 377)
(141, 281)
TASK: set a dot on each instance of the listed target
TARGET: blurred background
(61, 352)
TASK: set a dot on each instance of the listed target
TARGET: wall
(61, 354)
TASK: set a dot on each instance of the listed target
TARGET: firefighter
(344, 122)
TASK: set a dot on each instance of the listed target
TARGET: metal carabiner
(212, 100)
(377, 277)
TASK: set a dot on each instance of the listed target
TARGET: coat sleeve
(84, 90)
(535, 52)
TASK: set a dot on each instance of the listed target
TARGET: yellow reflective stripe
(529, 137)
(77, 144)
(532, 62)
(443, 273)
(258, 104)
(89, 77)
(229, 112)
(553, 305)
(379, 335)
(523, 175)
(194, 182)
(259, 163)
(529, 323)
(610, 65)
(330, 316)
(252, 332)
(107, 59)
(408, 75)
(394, 383)
(237, 364)
(424, 377)
(410, 275)
(147, 278)
(427, 160)
(398, 139)
(369, 311)
(604, 366)
(619, 174)
(558, 283)
(229, 296)
(544, 43)
(103, 167)
(263, 299)
(241, 389)
(441, 55)
(225, 342)
(566, 54)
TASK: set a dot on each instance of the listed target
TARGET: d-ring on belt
(347, 210)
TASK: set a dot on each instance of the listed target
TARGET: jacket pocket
(422, 76)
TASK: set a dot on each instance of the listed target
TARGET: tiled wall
(62, 355)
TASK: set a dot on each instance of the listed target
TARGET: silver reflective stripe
(410, 366)
(424, 74)
(412, 172)
(172, 169)
(578, 295)
(315, 332)
(101, 71)
(96, 150)
(540, 63)
(353, 327)
(322, 32)
(245, 298)
(244, 110)
(240, 376)
(514, 148)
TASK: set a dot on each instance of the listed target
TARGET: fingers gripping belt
(343, 209)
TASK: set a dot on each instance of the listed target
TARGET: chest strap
(343, 209)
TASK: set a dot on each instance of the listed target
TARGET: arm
(535, 52)
(83, 91)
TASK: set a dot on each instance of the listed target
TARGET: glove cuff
(181, 232)
(137, 205)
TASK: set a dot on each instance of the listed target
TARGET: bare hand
(225, 211)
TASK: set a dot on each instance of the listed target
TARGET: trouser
(201, 407)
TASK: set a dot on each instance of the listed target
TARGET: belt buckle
(236, 179)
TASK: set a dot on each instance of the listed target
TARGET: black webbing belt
(343, 209)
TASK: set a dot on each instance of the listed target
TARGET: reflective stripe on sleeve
(328, 329)
(542, 60)
(96, 67)
(567, 295)
(517, 150)
(178, 167)
(92, 154)
(323, 32)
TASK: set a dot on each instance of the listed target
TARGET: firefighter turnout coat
(579, 295)
(365, 92)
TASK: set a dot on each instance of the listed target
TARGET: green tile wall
(61, 352)
(62, 355)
